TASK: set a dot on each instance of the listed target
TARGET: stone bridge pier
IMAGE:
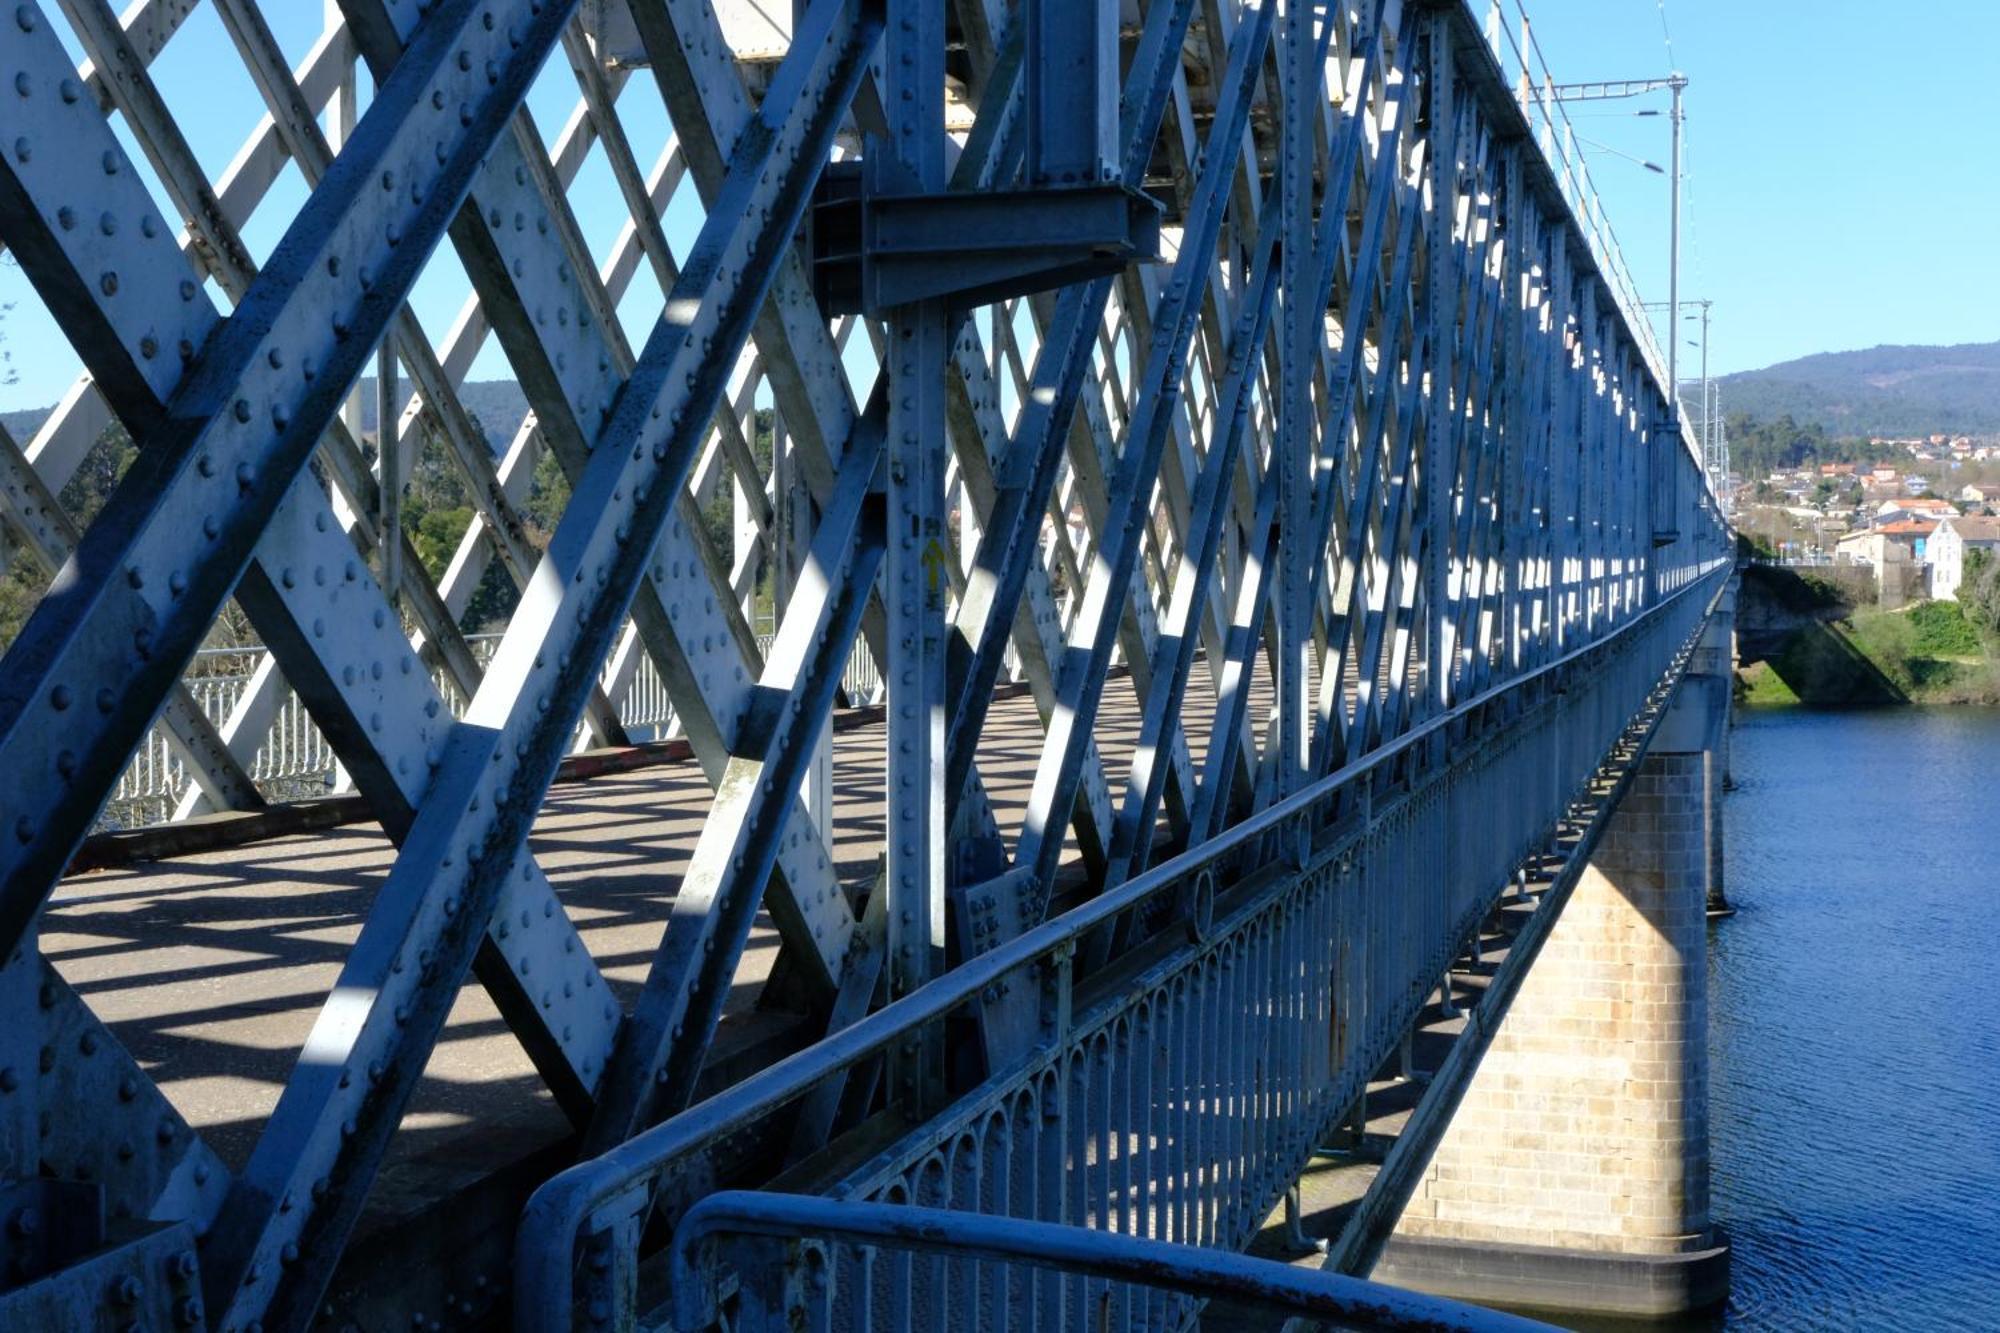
(1717, 657)
(1575, 1176)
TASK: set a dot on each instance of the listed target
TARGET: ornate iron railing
(1176, 1097)
(295, 761)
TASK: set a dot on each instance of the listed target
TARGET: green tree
(437, 507)
(1979, 589)
(85, 493)
(98, 475)
(548, 496)
(1754, 546)
(436, 534)
(1759, 448)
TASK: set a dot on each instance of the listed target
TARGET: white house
(1947, 548)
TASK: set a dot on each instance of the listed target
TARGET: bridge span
(1053, 572)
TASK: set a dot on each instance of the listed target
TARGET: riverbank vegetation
(1831, 652)
(438, 507)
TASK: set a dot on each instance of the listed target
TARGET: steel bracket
(60, 1272)
(875, 247)
(985, 915)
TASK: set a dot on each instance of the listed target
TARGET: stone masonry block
(1586, 1126)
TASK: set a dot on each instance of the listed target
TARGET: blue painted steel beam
(1027, 470)
(367, 689)
(1071, 58)
(303, 1187)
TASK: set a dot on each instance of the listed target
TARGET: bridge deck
(211, 967)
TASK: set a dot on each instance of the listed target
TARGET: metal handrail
(1085, 1251)
(560, 1208)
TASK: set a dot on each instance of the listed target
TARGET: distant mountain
(23, 425)
(1880, 391)
(498, 406)
(1894, 390)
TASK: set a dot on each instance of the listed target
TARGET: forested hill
(22, 425)
(1894, 391)
(497, 405)
(1881, 391)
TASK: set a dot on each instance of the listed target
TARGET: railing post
(610, 1287)
(1058, 980)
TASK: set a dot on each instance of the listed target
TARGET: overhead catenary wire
(1693, 214)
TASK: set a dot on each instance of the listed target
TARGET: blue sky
(1841, 182)
(1842, 159)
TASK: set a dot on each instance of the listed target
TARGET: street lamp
(1675, 83)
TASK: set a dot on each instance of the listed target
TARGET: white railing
(295, 762)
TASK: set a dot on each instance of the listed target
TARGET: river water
(1855, 1020)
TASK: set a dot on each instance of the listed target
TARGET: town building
(1894, 566)
(1912, 534)
(1899, 510)
(1947, 550)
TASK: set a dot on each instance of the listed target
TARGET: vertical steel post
(1071, 54)
(1677, 83)
(912, 159)
(1438, 475)
(388, 473)
(1707, 422)
(1297, 434)
(343, 110)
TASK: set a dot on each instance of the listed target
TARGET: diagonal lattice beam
(133, 605)
(1028, 471)
(364, 685)
(33, 514)
(663, 1046)
(282, 1228)
(572, 368)
(221, 251)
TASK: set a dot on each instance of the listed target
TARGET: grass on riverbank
(1931, 651)
(1927, 653)
(1760, 686)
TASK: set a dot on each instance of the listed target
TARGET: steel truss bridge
(1250, 386)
